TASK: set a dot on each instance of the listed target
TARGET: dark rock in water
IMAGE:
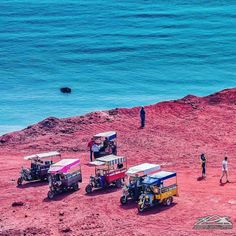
(65, 90)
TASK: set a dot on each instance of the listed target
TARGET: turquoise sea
(111, 53)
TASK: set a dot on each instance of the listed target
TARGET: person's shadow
(200, 178)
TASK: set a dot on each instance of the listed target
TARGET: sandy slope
(176, 133)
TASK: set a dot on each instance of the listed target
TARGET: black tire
(20, 181)
(169, 200)
(123, 200)
(89, 188)
(76, 187)
(141, 208)
(118, 183)
(51, 195)
(43, 179)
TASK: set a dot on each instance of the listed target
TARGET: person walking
(142, 117)
(90, 144)
(203, 165)
(224, 170)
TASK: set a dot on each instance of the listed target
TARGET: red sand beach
(176, 133)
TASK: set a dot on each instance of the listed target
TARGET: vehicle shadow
(129, 205)
(33, 184)
(156, 209)
(60, 196)
(108, 190)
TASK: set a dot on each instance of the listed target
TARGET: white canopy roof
(42, 155)
(63, 165)
(105, 134)
(97, 163)
(143, 169)
(109, 159)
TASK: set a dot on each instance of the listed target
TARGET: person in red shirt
(90, 144)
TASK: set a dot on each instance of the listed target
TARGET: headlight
(147, 197)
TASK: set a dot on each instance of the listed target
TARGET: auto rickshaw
(64, 175)
(40, 164)
(106, 143)
(155, 191)
(109, 170)
(135, 175)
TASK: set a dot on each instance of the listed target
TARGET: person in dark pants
(90, 144)
(203, 165)
(142, 117)
(113, 148)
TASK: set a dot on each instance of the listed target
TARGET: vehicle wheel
(50, 194)
(43, 179)
(19, 181)
(141, 208)
(123, 200)
(89, 188)
(118, 183)
(76, 187)
(169, 200)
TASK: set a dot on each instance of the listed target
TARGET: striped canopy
(111, 159)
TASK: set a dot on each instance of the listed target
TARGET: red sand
(176, 133)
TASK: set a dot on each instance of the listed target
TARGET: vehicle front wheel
(123, 200)
(76, 187)
(51, 194)
(89, 188)
(141, 207)
(20, 181)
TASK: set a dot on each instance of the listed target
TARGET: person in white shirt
(96, 150)
(225, 170)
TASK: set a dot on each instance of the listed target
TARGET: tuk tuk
(105, 144)
(40, 164)
(64, 176)
(109, 170)
(156, 191)
(135, 175)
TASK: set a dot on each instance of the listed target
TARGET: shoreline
(18, 128)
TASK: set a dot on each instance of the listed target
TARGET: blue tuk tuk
(159, 188)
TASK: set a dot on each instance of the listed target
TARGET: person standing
(142, 117)
(225, 170)
(96, 150)
(90, 144)
(203, 165)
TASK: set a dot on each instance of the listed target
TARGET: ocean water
(111, 53)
